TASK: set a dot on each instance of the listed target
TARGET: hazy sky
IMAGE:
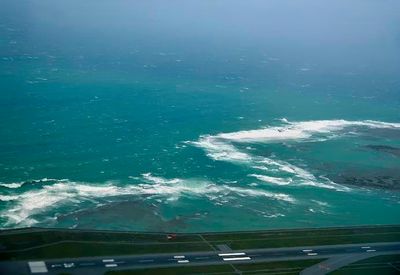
(341, 34)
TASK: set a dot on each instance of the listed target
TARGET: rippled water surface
(205, 116)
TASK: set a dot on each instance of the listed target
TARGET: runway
(98, 265)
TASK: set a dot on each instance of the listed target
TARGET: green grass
(380, 259)
(307, 241)
(299, 264)
(26, 240)
(176, 270)
(385, 270)
(21, 244)
(379, 265)
(288, 267)
(301, 233)
(73, 250)
(311, 237)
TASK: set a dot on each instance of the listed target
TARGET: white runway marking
(312, 254)
(37, 267)
(183, 261)
(179, 257)
(237, 259)
(232, 254)
(108, 260)
(111, 265)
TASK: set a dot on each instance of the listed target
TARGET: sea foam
(26, 205)
(12, 185)
(301, 130)
(270, 179)
(222, 147)
(220, 150)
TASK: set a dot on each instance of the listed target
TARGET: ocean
(198, 116)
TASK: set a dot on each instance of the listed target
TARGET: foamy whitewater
(61, 192)
(267, 181)
(221, 147)
(303, 130)
(208, 116)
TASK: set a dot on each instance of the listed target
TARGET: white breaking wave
(220, 150)
(201, 187)
(149, 177)
(30, 203)
(301, 130)
(35, 201)
(221, 147)
(259, 193)
(12, 185)
(22, 208)
(269, 179)
(8, 198)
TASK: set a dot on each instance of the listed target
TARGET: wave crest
(222, 147)
(26, 205)
(301, 130)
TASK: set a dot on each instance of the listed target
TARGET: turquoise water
(123, 118)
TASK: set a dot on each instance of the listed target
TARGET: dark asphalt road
(97, 265)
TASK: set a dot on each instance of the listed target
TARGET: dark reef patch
(125, 215)
(379, 133)
(385, 149)
(381, 180)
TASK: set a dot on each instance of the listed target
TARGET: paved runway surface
(98, 265)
